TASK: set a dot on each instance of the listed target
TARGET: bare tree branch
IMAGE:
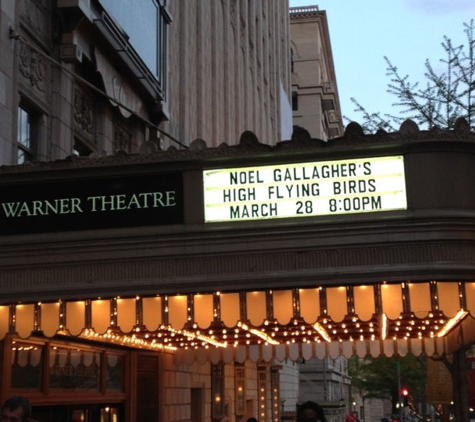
(449, 92)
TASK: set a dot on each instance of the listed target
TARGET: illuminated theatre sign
(107, 202)
(305, 189)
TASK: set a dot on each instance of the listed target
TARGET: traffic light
(405, 396)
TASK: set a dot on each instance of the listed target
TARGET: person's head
(16, 409)
(310, 412)
(252, 420)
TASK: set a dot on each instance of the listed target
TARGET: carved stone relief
(33, 67)
(84, 113)
(122, 139)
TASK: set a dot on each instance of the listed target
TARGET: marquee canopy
(388, 319)
(347, 279)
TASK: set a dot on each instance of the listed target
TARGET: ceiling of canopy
(294, 323)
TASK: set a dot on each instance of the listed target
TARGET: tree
(384, 377)
(447, 94)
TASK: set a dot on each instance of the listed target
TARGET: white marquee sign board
(305, 189)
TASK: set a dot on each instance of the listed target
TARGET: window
(295, 101)
(27, 366)
(144, 23)
(217, 392)
(240, 388)
(74, 369)
(275, 388)
(25, 136)
(81, 149)
(66, 368)
(263, 390)
(115, 370)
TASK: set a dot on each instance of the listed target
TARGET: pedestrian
(16, 409)
(310, 412)
(351, 417)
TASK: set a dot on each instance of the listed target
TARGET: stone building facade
(110, 78)
(125, 296)
(316, 109)
(315, 100)
(229, 71)
(84, 80)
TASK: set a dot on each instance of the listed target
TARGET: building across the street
(315, 101)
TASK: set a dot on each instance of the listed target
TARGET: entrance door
(79, 413)
(196, 405)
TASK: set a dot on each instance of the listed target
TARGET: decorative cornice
(304, 12)
(234, 271)
(301, 145)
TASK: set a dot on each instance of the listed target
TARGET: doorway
(80, 413)
(196, 405)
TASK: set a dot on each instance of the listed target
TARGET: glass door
(109, 414)
(79, 413)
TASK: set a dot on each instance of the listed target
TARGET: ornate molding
(84, 112)
(304, 12)
(233, 271)
(122, 138)
(249, 148)
(33, 67)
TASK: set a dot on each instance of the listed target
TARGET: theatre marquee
(305, 189)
